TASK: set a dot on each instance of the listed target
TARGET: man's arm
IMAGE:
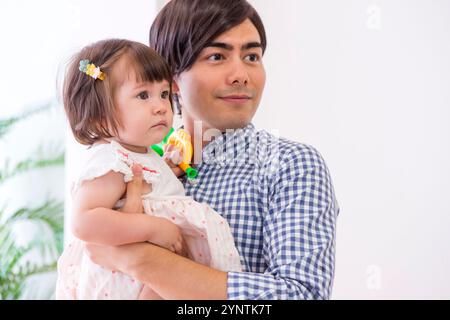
(135, 259)
(170, 275)
(176, 277)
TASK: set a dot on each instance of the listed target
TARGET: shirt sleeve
(299, 234)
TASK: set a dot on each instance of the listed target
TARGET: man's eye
(143, 95)
(215, 57)
(164, 94)
(252, 57)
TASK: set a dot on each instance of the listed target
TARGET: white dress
(206, 233)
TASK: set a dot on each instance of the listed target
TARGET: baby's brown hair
(88, 102)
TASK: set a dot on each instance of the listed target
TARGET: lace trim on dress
(118, 161)
(126, 160)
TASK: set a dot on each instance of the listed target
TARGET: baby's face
(144, 111)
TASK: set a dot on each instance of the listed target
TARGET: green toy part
(191, 173)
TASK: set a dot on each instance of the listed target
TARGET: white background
(365, 82)
(368, 84)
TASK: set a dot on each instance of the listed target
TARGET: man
(276, 194)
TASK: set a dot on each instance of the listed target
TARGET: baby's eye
(143, 95)
(165, 94)
(215, 57)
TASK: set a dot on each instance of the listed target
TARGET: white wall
(368, 83)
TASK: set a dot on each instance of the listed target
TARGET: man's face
(223, 87)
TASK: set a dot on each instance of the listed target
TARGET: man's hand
(133, 200)
(167, 234)
(115, 257)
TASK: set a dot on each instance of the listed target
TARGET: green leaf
(13, 269)
(8, 123)
(30, 164)
(51, 213)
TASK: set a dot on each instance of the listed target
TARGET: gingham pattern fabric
(278, 198)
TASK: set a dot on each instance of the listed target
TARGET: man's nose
(238, 74)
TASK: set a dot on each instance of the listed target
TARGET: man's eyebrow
(221, 45)
(251, 45)
(229, 47)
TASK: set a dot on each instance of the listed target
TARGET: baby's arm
(94, 221)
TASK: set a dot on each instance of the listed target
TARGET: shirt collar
(233, 145)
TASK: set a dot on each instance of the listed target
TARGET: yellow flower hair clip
(91, 70)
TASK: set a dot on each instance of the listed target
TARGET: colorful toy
(180, 139)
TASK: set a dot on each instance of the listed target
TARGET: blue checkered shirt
(278, 198)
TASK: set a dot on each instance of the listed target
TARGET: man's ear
(175, 88)
(176, 97)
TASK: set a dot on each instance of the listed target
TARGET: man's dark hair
(184, 27)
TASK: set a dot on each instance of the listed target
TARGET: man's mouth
(236, 98)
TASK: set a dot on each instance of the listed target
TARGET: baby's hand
(167, 235)
(173, 157)
(173, 154)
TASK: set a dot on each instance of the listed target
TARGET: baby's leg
(147, 293)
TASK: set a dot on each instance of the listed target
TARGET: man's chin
(233, 125)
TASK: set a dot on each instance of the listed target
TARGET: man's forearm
(173, 276)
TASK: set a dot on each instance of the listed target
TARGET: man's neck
(201, 136)
(196, 130)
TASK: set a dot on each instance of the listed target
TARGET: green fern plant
(8, 123)
(15, 269)
(12, 273)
